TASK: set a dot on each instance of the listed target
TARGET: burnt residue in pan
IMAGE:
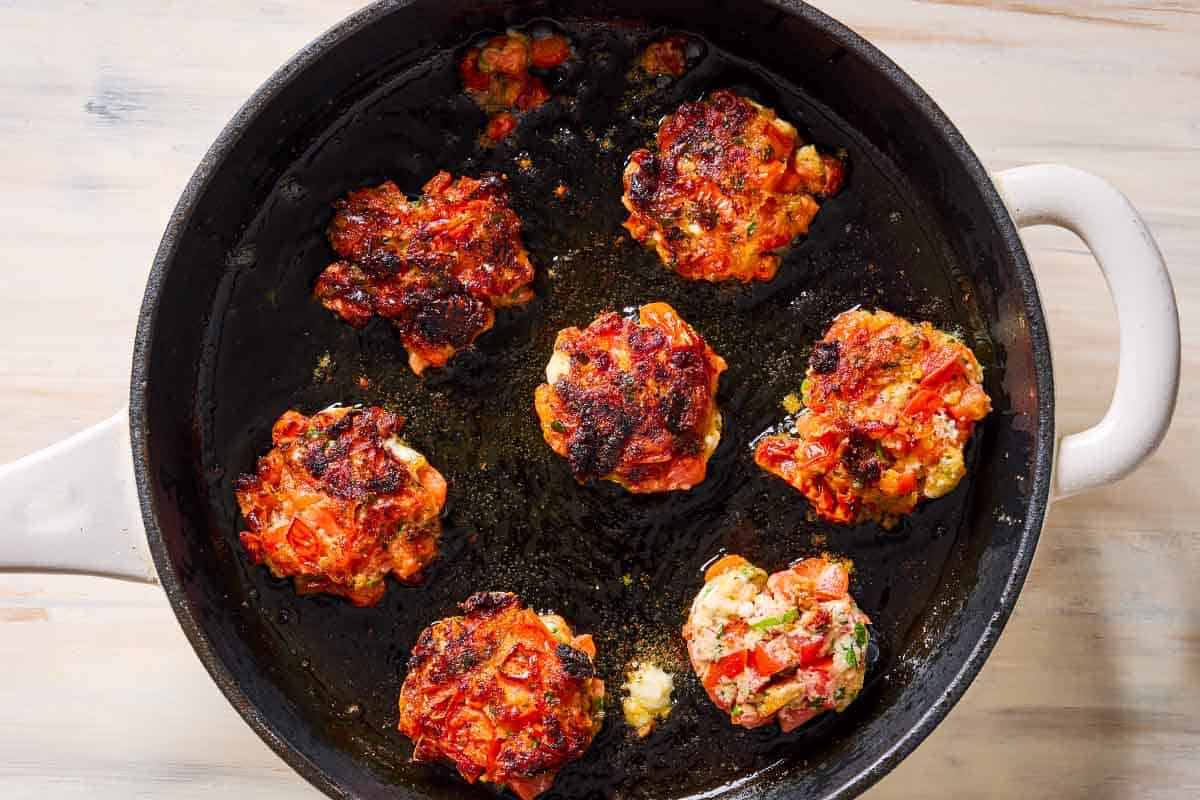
(622, 567)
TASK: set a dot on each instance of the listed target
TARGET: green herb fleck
(839, 694)
(627, 579)
(314, 433)
(879, 449)
(771, 622)
(860, 634)
(851, 656)
(751, 228)
(816, 702)
(558, 427)
(736, 711)
(806, 391)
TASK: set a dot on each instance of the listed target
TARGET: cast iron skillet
(229, 338)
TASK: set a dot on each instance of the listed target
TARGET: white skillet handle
(73, 508)
(1148, 322)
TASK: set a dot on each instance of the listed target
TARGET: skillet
(229, 338)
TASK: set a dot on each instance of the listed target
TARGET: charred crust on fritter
(381, 261)
(643, 182)
(825, 356)
(605, 427)
(425, 647)
(486, 604)
(575, 663)
(859, 458)
(326, 455)
(440, 311)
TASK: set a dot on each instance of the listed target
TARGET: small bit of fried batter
(496, 76)
(725, 189)
(665, 56)
(437, 267)
(633, 401)
(340, 501)
(506, 696)
(788, 646)
(889, 407)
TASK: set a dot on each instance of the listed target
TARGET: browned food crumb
(496, 75)
(665, 56)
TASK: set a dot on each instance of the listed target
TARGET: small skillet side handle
(1147, 319)
(73, 508)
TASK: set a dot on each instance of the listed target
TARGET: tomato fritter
(889, 406)
(789, 646)
(437, 267)
(496, 76)
(633, 401)
(340, 501)
(507, 696)
(727, 186)
(665, 56)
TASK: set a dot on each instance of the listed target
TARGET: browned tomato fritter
(889, 407)
(665, 56)
(340, 501)
(633, 401)
(507, 696)
(437, 267)
(496, 76)
(726, 187)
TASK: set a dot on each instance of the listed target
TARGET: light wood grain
(105, 108)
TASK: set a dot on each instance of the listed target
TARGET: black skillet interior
(384, 104)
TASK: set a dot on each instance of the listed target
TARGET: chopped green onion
(770, 622)
(860, 634)
(851, 657)
(558, 427)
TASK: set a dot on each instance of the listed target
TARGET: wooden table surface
(105, 109)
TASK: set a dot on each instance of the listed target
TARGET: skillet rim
(228, 140)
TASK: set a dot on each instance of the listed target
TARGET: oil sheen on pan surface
(620, 566)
